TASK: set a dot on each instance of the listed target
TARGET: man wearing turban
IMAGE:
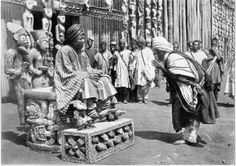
(144, 71)
(192, 97)
(76, 80)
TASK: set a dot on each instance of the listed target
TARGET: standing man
(193, 100)
(103, 57)
(190, 47)
(214, 64)
(122, 82)
(175, 46)
(113, 61)
(144, 71)
(134, 49)
(90, 51)
(197, 53)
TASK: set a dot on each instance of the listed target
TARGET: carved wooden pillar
(148, 22)
(124, 7)
(160, 17)
(154, 15)
(140, 5)
(132, 14)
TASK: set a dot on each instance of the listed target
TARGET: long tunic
(142, 64)
(199, 56)
(102, 60)
(216, 72)
(72, 76)
(122, 69)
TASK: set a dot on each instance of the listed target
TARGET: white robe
(199, 56)
(102, 60)
(122, 73)
(140, 78)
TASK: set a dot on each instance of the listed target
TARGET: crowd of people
(130, 70)
(193, 78)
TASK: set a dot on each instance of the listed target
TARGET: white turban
(162, 44)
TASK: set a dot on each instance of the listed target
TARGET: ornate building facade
(176, 20)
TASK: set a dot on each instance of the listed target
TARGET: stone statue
(60, 30)
(16, 65)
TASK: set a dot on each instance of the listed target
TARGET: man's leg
(139, 94)
(146, 90)
(126, 95)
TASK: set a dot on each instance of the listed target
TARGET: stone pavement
(154, 136)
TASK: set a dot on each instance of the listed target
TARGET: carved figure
(140, 17)
(47, 15)
(148, 29)
(124, 8)
(17, 64)
(40, 73)
(60, 30)
(109, 4)
(28, 18)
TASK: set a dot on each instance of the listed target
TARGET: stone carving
(60, 30)
(17, 64)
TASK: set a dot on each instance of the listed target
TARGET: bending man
(193, 100)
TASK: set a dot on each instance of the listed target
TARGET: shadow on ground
(16, 138)
(225, 105)
(161, 103)
(156, 135)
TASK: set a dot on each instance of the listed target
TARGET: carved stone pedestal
(95, 143)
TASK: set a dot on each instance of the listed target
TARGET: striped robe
(72, 76)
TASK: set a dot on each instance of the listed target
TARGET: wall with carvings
(181, 20)
(223, 27)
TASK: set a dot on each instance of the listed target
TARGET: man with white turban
(193, 100)
(144, 71)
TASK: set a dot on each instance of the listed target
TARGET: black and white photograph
(117, 82)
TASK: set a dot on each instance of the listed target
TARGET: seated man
(76, 80)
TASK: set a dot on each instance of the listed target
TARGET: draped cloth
(72, 77)
(188, 103)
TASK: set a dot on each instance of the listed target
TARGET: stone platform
(101, 140)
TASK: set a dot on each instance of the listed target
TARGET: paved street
(154, 136)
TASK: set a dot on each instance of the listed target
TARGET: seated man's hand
(94, 76)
